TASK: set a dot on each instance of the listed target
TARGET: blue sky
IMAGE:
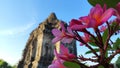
(19, 17)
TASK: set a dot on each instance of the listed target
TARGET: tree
(4, 64)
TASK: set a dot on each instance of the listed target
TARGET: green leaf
(92, 43)
(118, 62)
(100, 66)
(114, 26)
(106, 32)
(71, 65)
(88, 52)
(105, 35)
(94, 2)
(118, 27)
(106, 54)
(116, 45)
(109, 3)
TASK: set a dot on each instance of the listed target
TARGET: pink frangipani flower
(77, 25)
(97, 16)
(65, 55)
(66, 36)
(57, 63)
(86, 38)
(103, 28)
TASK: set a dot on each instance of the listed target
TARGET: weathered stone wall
(38, 52)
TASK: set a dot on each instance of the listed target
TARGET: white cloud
(12, 59)
(17, 30)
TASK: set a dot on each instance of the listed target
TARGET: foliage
(71, 65)
(109, 3)
(4, 64)
(116, 45)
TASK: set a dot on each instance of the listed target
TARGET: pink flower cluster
(63, 56)
(96, 18)
(65, 37)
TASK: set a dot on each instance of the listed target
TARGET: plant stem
(96, 41)
(112, 56)
(87, 59)
(99, 36)
(81, 40)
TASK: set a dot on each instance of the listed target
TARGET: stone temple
(38, 52)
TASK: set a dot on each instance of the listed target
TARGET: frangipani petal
(78, 27)
(71, 56)
(64, 50)
(74, 21)
(102, 28)
(85, 19)
(56, 32)
(53, 66)
(58, 63)
(81, 44)
(92, 23)
(86, 38)
(67, 40)
(70, 31)
(56, 39)
(107, 14)
(62, 26)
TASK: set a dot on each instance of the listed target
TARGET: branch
(111, 32)
(106, 43)
(81, 40)
(87, 59)
(95, 40)
(99, 36)
(108, 38)
(94, 52)
(108, 27)
(81, 64)
(113, 55)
